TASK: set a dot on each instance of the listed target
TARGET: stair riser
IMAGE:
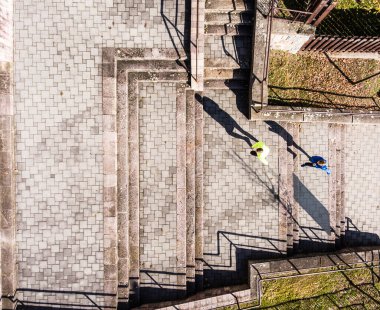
(232, 30)
(226, 84)
(228, 18)
(229, 5)
(225, 74)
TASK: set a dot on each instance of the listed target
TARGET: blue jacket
(314, 160)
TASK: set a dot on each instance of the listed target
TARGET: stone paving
(362, 184)
(158, 183)
(240, 205)
(58, 96)
(60, 236)
(312, 188)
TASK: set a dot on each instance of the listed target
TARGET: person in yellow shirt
(261, 151)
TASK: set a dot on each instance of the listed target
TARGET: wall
(288, 36)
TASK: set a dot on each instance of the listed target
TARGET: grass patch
(348, 18)
(369, 5)
(327, 291)
(313, 80)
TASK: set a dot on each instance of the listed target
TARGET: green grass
(312, 80)
(369, 5)
(348, 18)
(327, 291)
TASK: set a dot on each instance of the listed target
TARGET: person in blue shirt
(317, 162)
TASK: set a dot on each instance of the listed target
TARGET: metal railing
(267, 50)
(314, 13)
(327, 43)
(266, 9)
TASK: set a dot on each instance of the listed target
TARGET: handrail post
(197, 45)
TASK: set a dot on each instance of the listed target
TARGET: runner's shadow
(224, 119)
(283, 133)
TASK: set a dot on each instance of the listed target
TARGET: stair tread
(225, 63)
(228, 5)
(226, 84)
(229, 29)
(227, 73)
(234, 17)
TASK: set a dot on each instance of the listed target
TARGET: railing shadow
(180, 38)
(279, 95)
(89, 299)
(227, 265)
(310, 237)
(355, 237)
(345, 75)
(158, 286)
(241, 248)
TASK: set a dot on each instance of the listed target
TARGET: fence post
(325, 13)
(321, 5)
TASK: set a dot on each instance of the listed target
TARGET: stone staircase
(303, 232)
(228, 35)
(235, 44)
(130, 241)
(227, 48)
(8, 268)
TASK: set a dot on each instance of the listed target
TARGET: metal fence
(342, 44)
(313, 14)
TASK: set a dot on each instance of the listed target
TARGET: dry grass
(314, 80)
(327, 291)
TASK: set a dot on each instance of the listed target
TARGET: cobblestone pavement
(158, 183)
(58, 49)
(362, 184)
(58, 97)
(311, 188)
(231, 49)
(240, 208)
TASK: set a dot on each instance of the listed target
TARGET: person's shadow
(283, 133)
(224, 119)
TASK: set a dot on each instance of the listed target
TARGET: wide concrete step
(288, 215)
(229, 5)
(226, 84)
(194, 192)
(227, 63)
(227, 51)
(226, 73)
(154, 65)
(190, 192)
(229, 297)
(229, 29)
(296, 191)
(235, 17)
(320, 115)
(199, 124)
(336, 185)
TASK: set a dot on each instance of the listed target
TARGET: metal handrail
(196, 44)
(324, 112)
(267, 51)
